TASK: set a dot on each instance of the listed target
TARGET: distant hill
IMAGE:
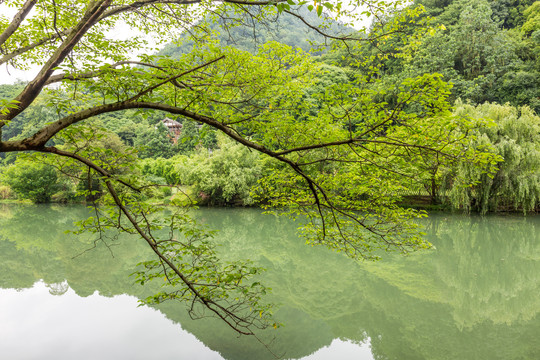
(285, 28)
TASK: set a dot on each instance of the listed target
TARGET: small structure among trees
(174, 127)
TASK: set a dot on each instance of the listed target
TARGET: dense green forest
(489, 51)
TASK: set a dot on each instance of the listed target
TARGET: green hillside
(244, 33)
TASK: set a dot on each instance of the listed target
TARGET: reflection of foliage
(409, 307)
(35, 247)
(448, 303)
(186, 260)
(227, 287)
(476, 269)
(58, 289)
(482, 299)
(496, 275)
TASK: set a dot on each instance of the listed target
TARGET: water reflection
(474, 297)
(96, 327)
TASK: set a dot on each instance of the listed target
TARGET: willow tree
(513, 135)
(339, 162)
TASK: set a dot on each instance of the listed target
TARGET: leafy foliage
(513, 134)
(31, 180)
(225, 176)
(228, 285)
(484, 48)
(163, 168)
(5, 192)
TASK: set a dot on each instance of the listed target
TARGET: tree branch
(16, 22)
(33, 89)
(91, 165)
(34, 45)
(316, 29)
(236, 322)
(142, 3)
(91, 74)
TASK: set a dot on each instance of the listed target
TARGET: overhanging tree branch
(33, 89)
(235, 97)
(49, 38)
(92, 74)
(240, 323)
(16, 22)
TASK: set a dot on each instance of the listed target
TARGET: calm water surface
(477, 296)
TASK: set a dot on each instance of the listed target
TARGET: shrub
(5, 192)
(226, 176)
(32, 180)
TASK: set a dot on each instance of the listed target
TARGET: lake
(475, 296)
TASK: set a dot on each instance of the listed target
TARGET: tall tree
(513, 134)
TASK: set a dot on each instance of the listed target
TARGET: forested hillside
(489, 50)
(249, 33)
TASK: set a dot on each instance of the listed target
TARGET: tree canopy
(512, 134)
(340, 152)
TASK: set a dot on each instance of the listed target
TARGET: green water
(477, 296)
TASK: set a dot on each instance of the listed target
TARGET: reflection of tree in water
(34, 246)
(488, 268)
(58, 289)
(305, 281)
(460, 301)
(5, 211)
(483, 299)
(410, 307)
